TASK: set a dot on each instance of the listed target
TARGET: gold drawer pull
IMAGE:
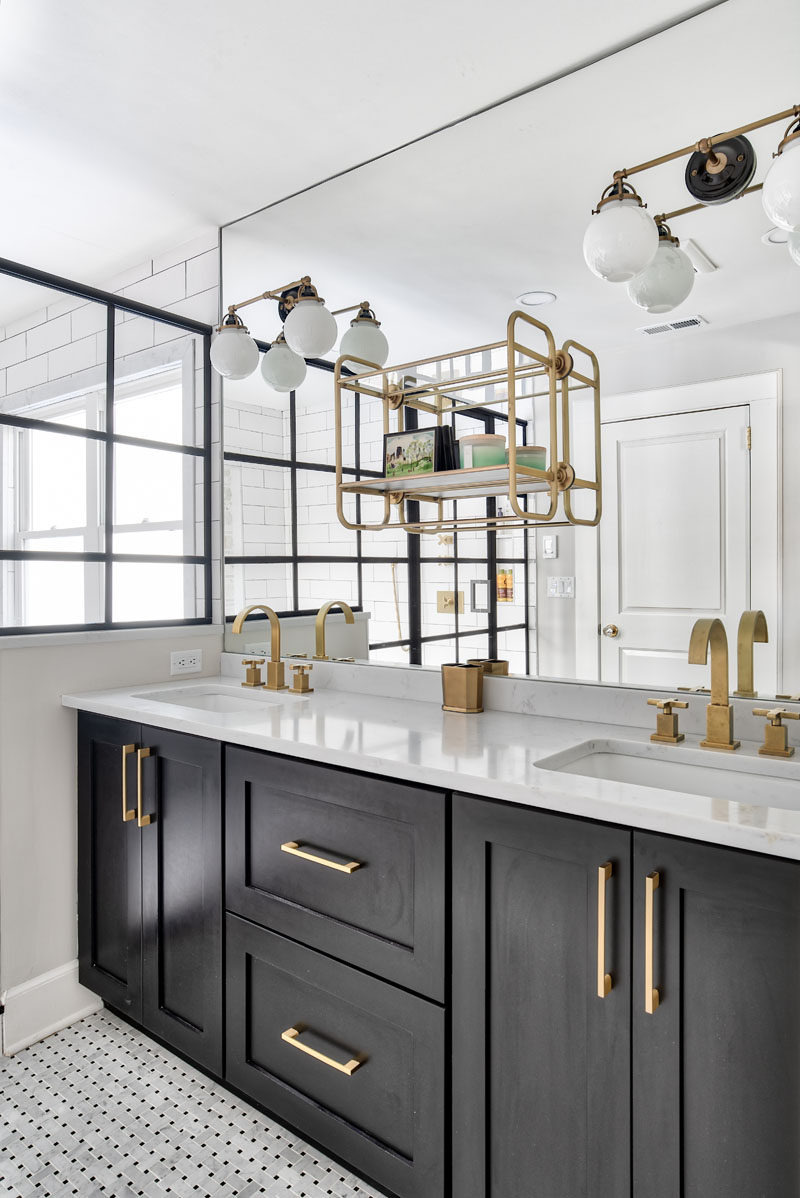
(651, 996)
(604, 980)
(292, 1036)
(295, 848)
(142, 820)
(126, 752)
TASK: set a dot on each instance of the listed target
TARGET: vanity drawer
(382, 1108)
(369, 887)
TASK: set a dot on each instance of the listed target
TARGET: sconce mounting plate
(721, 173)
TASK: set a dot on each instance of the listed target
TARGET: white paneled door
(674, 540)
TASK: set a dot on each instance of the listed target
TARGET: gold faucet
(319, 626)
(275, 680)
(719, 713)
(752, 627)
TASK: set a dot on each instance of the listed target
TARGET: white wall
(38, 861)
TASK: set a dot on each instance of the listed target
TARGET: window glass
(147, 591)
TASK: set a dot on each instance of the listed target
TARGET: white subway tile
(13, 350)
(26, 374)
(202, 272)
(204, 306)
(167, 287)
(189, 249)
(91, 318)
(132, 336)
(49, 335)
(61, 307)
(78, 355)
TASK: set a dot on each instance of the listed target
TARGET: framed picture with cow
(417, 451)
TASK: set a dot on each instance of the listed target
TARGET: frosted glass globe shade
(310, 329)
(620, 241)
(282, 369)
(365, 340)
(234, 353)
(794, 246)
(781, 192)
(665, 283)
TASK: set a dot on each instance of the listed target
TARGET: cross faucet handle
(667, 732)
(253, 675)
(776, 737)
(301, 681)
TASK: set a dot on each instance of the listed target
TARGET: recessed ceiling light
(775, 236)
(534, 298)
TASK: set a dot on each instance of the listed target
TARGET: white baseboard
(44, 1005)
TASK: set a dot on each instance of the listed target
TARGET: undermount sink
(213, 697)
(680, 768)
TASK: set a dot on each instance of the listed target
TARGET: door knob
(611, 631)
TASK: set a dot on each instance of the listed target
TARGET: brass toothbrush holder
(462, 688)
(496, 666)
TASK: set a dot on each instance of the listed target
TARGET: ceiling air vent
(673, 326)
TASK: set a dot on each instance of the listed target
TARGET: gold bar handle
(142, 820)
(651, 996)
(296, 849)
(126, 752)
(292, 1036)
(604, 980)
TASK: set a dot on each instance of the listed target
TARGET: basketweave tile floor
(100, 1111)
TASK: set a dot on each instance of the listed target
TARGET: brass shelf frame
(556, 368)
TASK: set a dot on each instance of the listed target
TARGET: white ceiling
(443, 235)
(128, 128)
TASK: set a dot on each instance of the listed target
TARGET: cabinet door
(182, 894)
(541, 1062)
(109, 857)
(716, 1079)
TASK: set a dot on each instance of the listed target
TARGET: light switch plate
(561, 587)
(550, 545)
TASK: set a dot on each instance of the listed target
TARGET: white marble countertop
(494, 754)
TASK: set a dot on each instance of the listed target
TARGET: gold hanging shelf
(554, 379)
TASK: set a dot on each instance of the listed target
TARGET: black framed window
(105, 460)
(284, 545)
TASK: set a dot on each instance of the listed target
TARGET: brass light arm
(362, 307)
(663, 217)
(319, 625)
(752, 628)
(706, 143)
(274, 294)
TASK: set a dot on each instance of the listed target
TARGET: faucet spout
(711, 633)
(319, 625)
(719, 713)
(752, 628)
(275, 673)
(274, 626)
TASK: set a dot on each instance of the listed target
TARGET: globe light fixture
(667, 281)
(781, 193)
(793, 246)
(621, 239)
(234, 353)
(309, 328)
(364, 340)
(281, 368)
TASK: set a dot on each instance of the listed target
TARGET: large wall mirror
(701, 423)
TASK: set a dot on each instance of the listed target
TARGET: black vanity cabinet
(541, 1064)
(716, 1066)
(150, 892)
(335, 961)
(684, 1078)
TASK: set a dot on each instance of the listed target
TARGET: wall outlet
(186, 661)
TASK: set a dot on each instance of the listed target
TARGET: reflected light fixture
(623, 245)
(794, 246)
(533, 299)
(781, 194)
(621, 239)
(309, 331)
(281, 368)
(667, 281)
(364, 339)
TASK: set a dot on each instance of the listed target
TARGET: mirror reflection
(699, 410)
